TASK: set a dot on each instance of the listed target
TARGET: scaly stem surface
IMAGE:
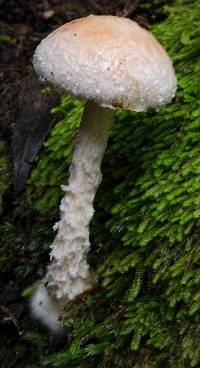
(68, 272)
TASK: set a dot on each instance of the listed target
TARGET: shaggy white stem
(68, 272)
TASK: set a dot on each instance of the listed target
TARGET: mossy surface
(44, 192)
(144, 310)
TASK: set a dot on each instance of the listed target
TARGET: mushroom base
(46, 309)
(68, 273)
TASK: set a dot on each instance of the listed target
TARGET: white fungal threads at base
(46, 309)
(68, 272)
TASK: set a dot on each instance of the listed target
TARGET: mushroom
(112, 63)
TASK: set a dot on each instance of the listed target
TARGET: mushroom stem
(68, 272)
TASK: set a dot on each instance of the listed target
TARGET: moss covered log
(144, 309)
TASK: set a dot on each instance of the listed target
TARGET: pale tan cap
(110, 60)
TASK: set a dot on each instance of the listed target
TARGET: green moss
(7, 39)
(144, 312)
(44, 193)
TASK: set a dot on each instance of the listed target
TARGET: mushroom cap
(110, 60)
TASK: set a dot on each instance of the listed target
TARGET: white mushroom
(113, 63)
